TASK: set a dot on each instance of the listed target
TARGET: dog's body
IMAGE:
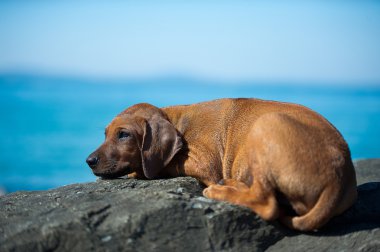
(264, 153)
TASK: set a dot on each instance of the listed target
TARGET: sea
(50, 124)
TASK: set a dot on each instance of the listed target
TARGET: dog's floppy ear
(160, 143)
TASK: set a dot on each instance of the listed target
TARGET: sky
(297, 41)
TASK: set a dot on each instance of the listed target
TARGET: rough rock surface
(170, 215)
(367, 170)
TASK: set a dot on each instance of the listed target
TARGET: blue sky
(296, 41)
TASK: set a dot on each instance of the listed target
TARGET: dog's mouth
(113, 175)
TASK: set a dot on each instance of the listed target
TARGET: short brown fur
(265, 155)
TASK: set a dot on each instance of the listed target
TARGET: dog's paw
(210, 191)
(219, 192)
(206, 192)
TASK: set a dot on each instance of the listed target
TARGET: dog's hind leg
(317, 216)
(258, 198)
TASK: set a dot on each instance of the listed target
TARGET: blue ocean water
(49, 125)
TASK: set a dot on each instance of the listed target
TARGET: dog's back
(217, 129)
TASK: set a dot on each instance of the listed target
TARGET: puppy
(283, 161)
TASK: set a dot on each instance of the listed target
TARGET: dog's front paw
(206, 192)
(209, 192)
(219, 192)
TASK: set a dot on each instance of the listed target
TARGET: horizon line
(100, 79)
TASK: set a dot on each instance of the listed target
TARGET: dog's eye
(124, 135)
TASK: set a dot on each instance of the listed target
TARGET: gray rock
(167, 215)
(367, 170)
(128, 215)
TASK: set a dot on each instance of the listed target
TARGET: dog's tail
(320, 214)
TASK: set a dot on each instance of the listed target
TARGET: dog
(282, 160)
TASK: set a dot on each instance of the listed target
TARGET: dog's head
(140, 139)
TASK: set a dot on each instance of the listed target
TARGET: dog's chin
(113, 175)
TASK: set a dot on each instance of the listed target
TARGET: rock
(367, 170)
(168, 215)
(128, 215)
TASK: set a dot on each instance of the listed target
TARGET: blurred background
(68, 67)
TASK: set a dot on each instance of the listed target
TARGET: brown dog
(268, 156)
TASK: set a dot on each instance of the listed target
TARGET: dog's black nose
(92, 160)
